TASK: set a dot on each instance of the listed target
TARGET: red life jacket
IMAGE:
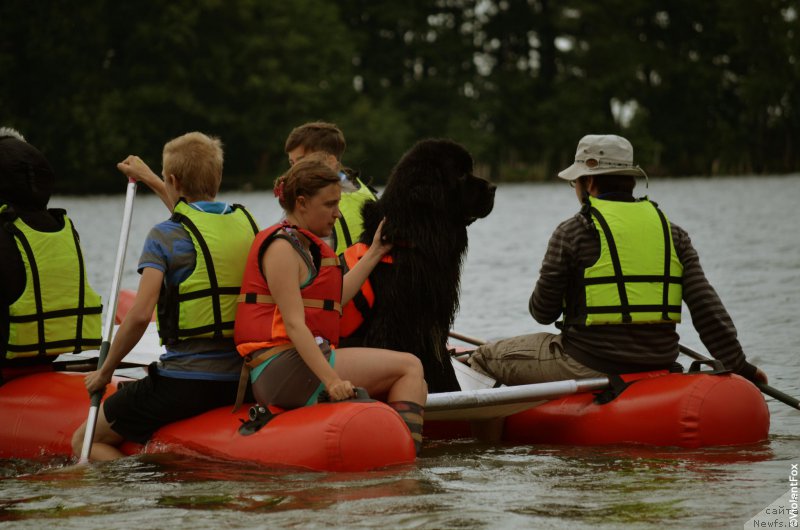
(357, 310)
(259, 323)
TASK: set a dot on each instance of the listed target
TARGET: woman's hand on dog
(379, 243)
(356, 276)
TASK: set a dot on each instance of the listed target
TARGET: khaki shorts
(287, 381)
(535, 358)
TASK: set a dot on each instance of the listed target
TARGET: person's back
(47, 306)
(618, 271)
(191, 267)
(614, 348)
(201, 250)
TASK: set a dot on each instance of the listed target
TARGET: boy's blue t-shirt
(169, 249)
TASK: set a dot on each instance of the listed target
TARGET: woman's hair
(305, 178)
(197, 160)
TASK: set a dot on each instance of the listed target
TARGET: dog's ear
(371, 214)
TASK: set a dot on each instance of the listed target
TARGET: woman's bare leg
(398, 375)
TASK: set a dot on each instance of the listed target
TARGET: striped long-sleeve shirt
(575, 245)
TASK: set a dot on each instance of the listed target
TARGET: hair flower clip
(278, 191)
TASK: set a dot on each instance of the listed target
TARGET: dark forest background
(700, 87)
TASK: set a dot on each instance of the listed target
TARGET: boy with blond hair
(191, 267)
(47, 306)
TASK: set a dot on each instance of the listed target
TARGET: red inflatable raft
(657, 408)
(39, 413)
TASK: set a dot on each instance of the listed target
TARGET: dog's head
(435, 176)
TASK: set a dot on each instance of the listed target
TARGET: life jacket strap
(251, 362)
(327, 305)
(616, 386)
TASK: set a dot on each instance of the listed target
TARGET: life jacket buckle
(259, 416)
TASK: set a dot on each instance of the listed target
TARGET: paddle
(88, 365)
(765, 388)
(467, 339)
(111, 310)
(494, 402)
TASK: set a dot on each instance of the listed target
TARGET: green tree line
(707, 88)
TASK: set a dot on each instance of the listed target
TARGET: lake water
(746, 232)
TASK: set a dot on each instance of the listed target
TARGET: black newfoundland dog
(430, 199)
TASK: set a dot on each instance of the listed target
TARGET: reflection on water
(455, 484)
(744, 231)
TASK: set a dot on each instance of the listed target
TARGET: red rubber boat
(39, 413)
(659, 408)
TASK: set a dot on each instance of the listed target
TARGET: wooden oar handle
(780, 396)
(467, 338)
(763, 387)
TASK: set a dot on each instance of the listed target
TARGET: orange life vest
(357, 310)
(259, 323)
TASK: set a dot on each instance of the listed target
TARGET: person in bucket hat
(602, 154)
(616, 275)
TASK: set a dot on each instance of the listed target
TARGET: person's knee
(413, 366)
(477, 361)
(490, 350)
(77, 440)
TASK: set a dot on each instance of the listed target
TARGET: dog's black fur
(430, 198)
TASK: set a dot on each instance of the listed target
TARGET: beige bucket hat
(602, 154)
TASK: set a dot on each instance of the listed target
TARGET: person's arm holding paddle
(709, 316)
(135, 168)
(131, 329)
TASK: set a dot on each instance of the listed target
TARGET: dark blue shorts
(140, 408)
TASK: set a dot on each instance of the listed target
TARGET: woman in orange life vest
(287, 320)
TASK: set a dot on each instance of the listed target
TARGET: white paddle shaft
(111, 310)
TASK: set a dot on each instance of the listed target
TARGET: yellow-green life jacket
(350, 225)
(638, 277)
(58, 311)
(204, 304)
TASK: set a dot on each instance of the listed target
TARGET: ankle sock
(412, 414)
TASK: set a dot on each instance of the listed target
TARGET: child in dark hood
(26, 178)
(47, 306)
